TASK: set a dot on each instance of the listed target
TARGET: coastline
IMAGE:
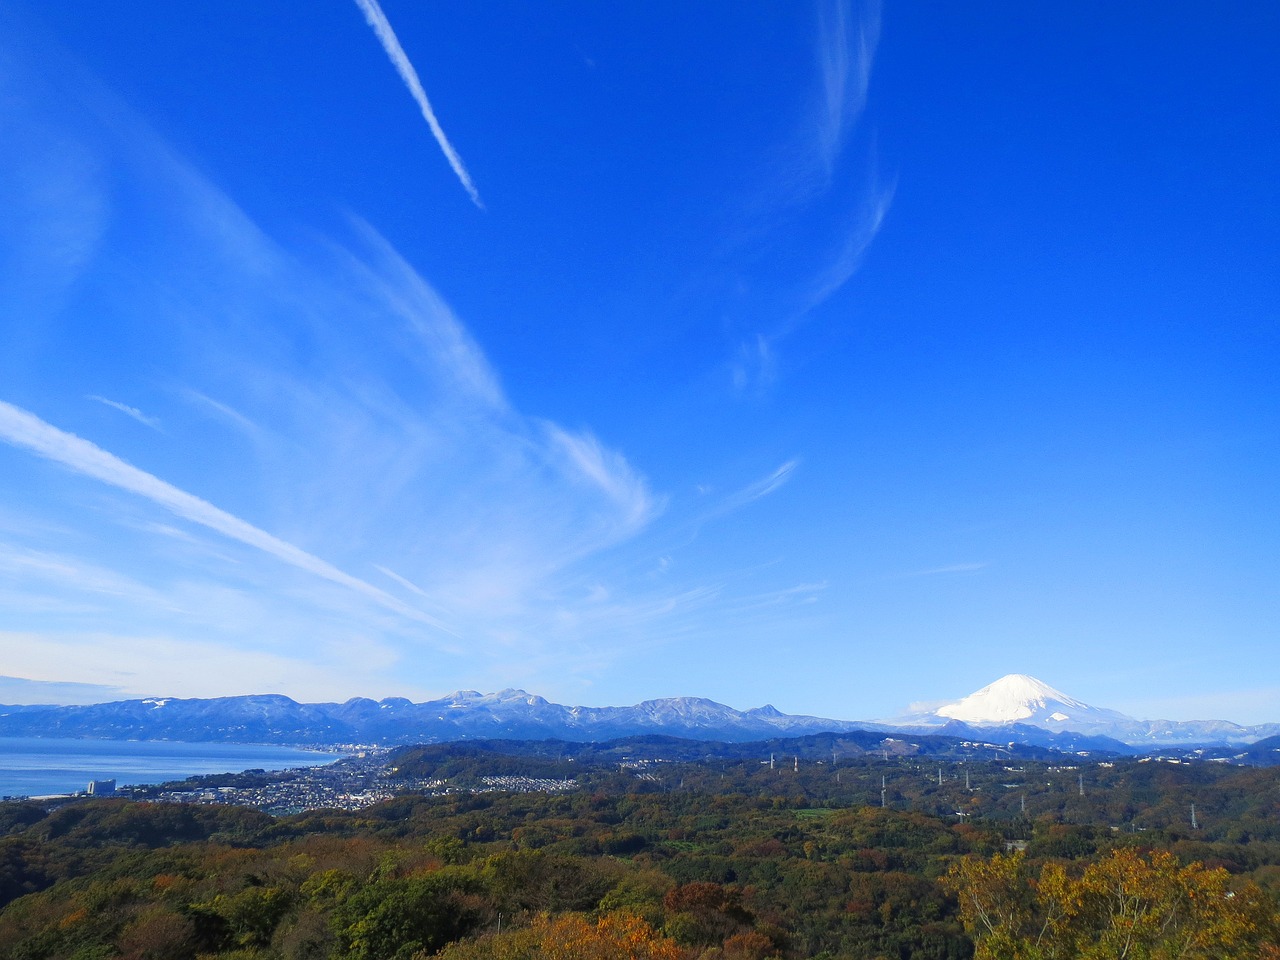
(55, 767)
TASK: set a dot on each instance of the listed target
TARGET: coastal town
(357, 780)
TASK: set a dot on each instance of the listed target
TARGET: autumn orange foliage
(571, 937)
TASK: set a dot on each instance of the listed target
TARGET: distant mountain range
(1015, 709)
(511, 714)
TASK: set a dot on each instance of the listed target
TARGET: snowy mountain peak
(1019, 701)
(1012, 698)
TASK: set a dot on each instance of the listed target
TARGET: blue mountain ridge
(516, 714)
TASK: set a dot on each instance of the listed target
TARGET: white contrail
(378, 20)
(23, 429)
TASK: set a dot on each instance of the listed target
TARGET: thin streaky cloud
(766, 485)
(609, 472)
(944, 570)
(867, 222)
(800, 594)
(386, 36)
(31, 567)
(846, 54)
(27, 431)
(755, 366)
(406, 583)
(454, 352)
(757, 490)
(128, 411)
(234, 417)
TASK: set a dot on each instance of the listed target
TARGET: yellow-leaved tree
(1126, 906)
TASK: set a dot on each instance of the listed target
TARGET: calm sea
(33, 766)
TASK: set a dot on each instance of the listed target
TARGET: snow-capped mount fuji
(1017, 700)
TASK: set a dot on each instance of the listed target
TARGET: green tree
(398, 918)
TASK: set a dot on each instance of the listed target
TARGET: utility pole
(1194, 825)
(884, 792)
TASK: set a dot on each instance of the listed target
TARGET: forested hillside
(725, 857)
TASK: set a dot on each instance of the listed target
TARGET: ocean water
(37, 766)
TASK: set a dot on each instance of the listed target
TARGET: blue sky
(831, 356)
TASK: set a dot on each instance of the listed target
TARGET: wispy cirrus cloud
(450, 354)
(29, 569)
(944, 570)
(23, 429)
(757, 490)
(818, 203)
(400, 60)
(128, 411)
(225, 413)
(864, 225)
(348, 475)
(755, 367)
(380, 439)
(800, 594)
(764, 486)
(845, 53)
(609, 472)
(847, 38)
